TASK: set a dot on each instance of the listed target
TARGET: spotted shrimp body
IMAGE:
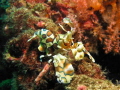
(46, 39)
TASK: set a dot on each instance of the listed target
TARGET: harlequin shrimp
(64, 69)
(79, 51)
(46, 39)
(78, 48)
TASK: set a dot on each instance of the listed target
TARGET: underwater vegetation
(51, 43)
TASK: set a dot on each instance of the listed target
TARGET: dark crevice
(101, 20)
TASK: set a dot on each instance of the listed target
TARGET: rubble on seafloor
(96, 23)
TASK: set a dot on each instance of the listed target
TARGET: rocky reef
(52, 44)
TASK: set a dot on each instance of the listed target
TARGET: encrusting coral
(82, 82)
(53, 39)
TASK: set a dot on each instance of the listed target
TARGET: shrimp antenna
(62, 27)
(31, 38)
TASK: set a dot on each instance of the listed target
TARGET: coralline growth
(95, 23)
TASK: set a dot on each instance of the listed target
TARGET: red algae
(35, 1)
